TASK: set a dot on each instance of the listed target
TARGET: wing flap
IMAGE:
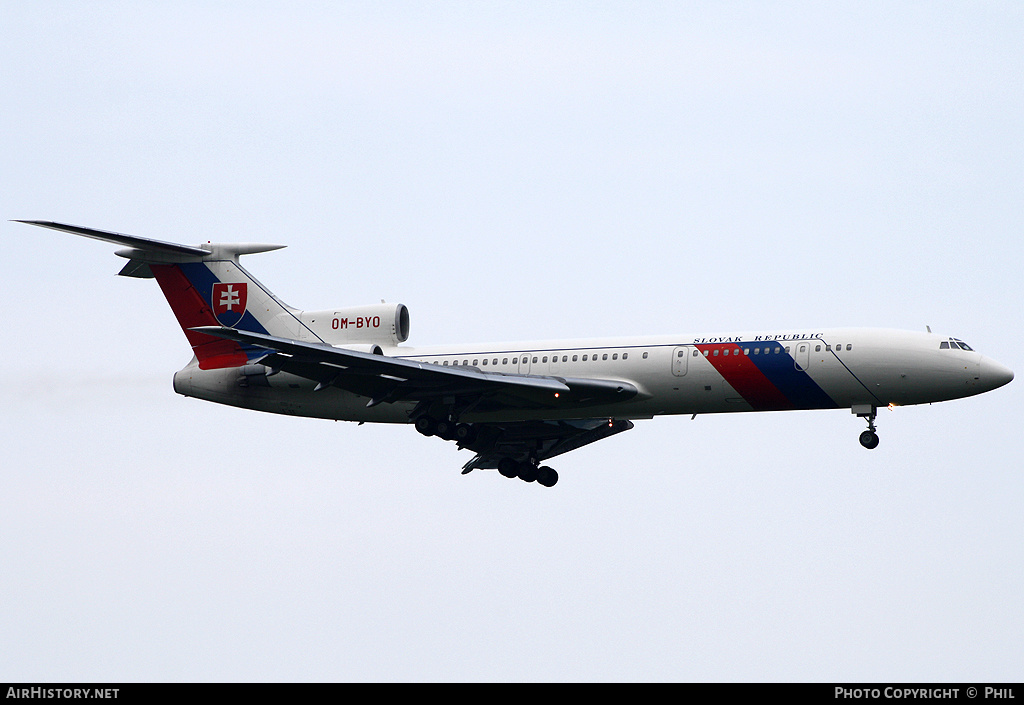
(540, 440)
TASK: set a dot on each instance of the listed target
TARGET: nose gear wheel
(869, 438)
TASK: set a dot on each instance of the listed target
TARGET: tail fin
(206, 286)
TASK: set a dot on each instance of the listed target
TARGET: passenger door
(680, 361)
(524, 364)
(802, 354)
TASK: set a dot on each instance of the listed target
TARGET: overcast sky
(510, 171)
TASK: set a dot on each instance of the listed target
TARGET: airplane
(516, 405)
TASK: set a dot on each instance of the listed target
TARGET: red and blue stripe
(769, 380)
(188, 289)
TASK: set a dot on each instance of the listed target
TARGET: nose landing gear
(868, 439)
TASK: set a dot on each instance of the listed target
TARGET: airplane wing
(386, 379)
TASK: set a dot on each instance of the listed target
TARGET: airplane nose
(993, 374)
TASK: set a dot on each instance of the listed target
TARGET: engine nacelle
(381, 324)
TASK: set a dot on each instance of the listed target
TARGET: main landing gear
(868, 439)
(446, 429)
(528, 471)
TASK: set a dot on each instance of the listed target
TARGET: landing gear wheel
(869, 439)
(425, 425)
(546, 476)
(445, 428)
(527, 471)
(508, 467)
(464, 433)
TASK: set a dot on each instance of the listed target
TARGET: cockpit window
(953, 344)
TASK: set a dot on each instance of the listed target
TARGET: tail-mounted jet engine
(386, 325)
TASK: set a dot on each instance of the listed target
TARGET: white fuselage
(686, 374)
(517, 404)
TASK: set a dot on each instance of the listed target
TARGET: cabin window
(696, 352)
(515, 360)
(615, 356)
(706, 353)
(645, 356)
(565, 358)
(575, 358)
(504, 360)
(605, 356)
(584, 358)
(476, 362)
(446, 363)
(625, 355)
(494, 361)
(716, 352)
(849, 346)
(746, 351)
(535, 359)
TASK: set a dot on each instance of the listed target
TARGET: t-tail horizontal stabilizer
(204, 285)
(146, 250)
(139, 243)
